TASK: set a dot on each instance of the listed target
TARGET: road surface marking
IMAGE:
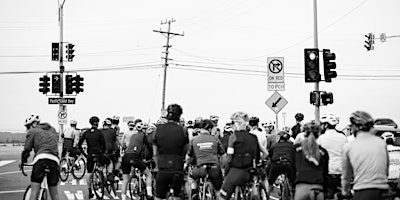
(70, 195)
(11, 191)
(13, 172)
(73, 182)
(5, 162)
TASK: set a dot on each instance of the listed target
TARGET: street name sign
(62, 100)
(276, 102)
(276, 75)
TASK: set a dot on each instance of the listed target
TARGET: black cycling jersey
(94, 140)
(109, 138)
(137, 142)
(282, 150)
(246, 149)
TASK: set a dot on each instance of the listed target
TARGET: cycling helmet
(387, 135)
(270, 123)
(131, 123)
(174, 108)
(240, 115)
(189, 123)
(32, 118)
(206, 124)
(330, 119)
(94, 120)
(228, 128)
(73, 122)
(299, 116)
(214, 118)
(115, 120)
(254, 121)
(141, 126)
(284, 135)
(362, 118)
(198, 120)
(107, 122)
(311, 127)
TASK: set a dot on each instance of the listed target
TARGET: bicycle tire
(98, 184)
(80, 167)
(133, 186)
(262, 192)
(43, 192)
(143, 191)
(64, 169)
(209, 191)
(27, 194)
(286, 193)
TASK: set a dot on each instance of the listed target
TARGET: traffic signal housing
(313, 97)
(78, 84)
(70, 52)
(55, 51)
(327, 98)
(311, 59)
(329, 65)
(69, 84)
(44, 84)
(370, 40)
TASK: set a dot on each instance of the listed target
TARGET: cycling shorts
(234, 178)
(132, 159)
(90, 161)
(165, 179)
(278, 169)
(38, 172)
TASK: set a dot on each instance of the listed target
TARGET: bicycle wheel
(209, 191)
(286, 190)
(262, 192)
(133, 186)
(27, 194)
(97, 184)
(79, 168)
(64, 169)
(43, 193)
(143, 191)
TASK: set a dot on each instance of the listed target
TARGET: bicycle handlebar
(22, 165)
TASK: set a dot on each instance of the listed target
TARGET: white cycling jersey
(333, 142)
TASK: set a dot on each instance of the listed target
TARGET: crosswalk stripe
(79, 195)
(5, 162)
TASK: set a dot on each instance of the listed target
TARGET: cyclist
(132, 157)
(333, 141)
(196, 129)
(215, 130)
(366, 159)
(394, 155)
(43, 138)
(311, 165)
(71, 138)
(115, 126)
(110, 139)
(170, 145)
(95, 147)
(261, 137)
(272, 136)
(281, 155)
(296, 129)
(243, 151)
(205, 150)
(228, 131)
(127, 135)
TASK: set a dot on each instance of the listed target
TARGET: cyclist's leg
(126, 170)
(177, 183)
(53, 179)
(37, 177)
(35, 189)
(275, 171)
(53, 192)
(215, 175)
(89, 168)
(234, 177)
(163, 180)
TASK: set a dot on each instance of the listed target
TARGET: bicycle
(77, 167)
(137, 180)
(99, 179)
(205, 187)
(254, 189)
(43, 193)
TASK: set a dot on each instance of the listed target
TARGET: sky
(219, 65)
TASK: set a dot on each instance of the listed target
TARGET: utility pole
(168, 35)
(317, 104)
(60, 22)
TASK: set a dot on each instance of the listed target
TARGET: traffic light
(55, 83)
(370, 41)
(78, 84)
(44, 84)
(311, 59)
(313, 97)
(69, 84)
(329, 64)
(327, 98)
(55, 47)
(70, 52)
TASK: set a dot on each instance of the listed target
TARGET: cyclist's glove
(24, 156)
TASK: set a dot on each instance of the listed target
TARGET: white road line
(11, 191)
(79, 195)
(14, 172)
(73, 182)
(5, 162)
(70, 195)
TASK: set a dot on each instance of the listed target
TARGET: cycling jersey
(262, 139)
(246, 149)
(127, 136)
(94, 140)
(205, 148)
(43, 139)
(333, 142)
(272, 138)
(137, 143)
(110, 139)
(296, 129)
(278, 152)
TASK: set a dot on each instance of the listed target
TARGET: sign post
(62, 115)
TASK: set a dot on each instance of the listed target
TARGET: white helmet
(330, 119)
(387, 135)
(270, 123)
(73, 122)
(32, 118)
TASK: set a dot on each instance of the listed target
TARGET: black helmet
(362, 118)
(206, 124)
(299, 116)
(175, 109)
(94, 120)
(312, 127)
(254, 121)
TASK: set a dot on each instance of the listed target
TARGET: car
(385, 121)
(379, 129)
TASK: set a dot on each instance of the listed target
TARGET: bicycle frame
(43, 186)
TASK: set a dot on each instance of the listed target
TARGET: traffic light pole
(60, 21)
(317, 104)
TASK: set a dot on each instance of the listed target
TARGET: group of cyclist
(317, 159)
